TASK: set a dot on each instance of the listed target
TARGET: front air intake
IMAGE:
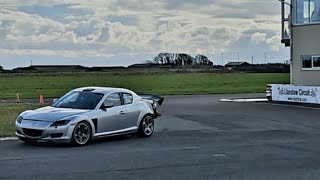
(32, 132)
(57, 135)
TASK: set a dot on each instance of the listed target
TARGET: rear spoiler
(151, 97)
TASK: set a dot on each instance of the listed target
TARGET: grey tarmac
(198, 137)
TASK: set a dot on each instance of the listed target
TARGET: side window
(127, 98)
(306, 62)
(113, 98)
(307, 11)
(316, 61)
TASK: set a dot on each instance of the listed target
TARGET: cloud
(273, 42)
(258, 37)
(74, 28)
(63, 53)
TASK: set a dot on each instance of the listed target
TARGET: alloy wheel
(148, 126)
(82, 133)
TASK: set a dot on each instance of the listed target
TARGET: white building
(301, 33)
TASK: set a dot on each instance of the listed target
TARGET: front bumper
(44, 131)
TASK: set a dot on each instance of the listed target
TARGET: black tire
(146, 127)
(81, 130)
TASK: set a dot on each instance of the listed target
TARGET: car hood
(52, 114)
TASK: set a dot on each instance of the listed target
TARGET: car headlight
(60, 123)
(19, 119)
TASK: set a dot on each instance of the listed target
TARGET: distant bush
(265, 68)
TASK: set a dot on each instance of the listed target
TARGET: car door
(132, 110)
(112, 119)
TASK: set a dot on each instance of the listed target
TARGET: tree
(157, 60)
(181, 59)
(203, 60)
(148, 62)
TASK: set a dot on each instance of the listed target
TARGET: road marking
(296, 106)
(219, 155)
(244, 100)
(226, 100)
(265, 100)
(8, 139)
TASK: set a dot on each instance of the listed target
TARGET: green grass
(9, 113)
(55, 85)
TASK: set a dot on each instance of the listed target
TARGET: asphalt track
(198, 137)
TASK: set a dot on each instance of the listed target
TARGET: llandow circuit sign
(290, 93)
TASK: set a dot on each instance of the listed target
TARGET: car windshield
(79, 100)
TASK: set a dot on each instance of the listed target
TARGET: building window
(306, 62)
(316, 62)
(306, 12)
(310, 62)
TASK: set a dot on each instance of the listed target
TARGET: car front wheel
(146, 128)
(81, 134)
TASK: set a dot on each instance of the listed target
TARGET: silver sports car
(88, 113)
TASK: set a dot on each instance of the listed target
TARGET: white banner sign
(290, 93)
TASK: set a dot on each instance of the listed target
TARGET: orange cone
(18, 98)
(41, 101)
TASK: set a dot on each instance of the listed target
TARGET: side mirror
(106, 105)
(54, 100)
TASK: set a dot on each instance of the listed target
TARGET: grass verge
(55, 85)
(8, 115)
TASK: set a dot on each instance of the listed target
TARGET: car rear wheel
(146, 128)
(81, 134)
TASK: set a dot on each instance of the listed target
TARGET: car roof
(104, 90)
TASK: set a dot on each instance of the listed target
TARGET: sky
(123, 32)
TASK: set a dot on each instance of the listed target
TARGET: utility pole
(222, 59)
(31, 63)
(265, 58)
(238, 57)
(252, 60)
(213, 58)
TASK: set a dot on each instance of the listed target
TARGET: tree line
(180, 59)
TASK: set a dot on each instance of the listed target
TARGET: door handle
(122, 112)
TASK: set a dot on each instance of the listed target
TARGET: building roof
(108, 67)
(236, 63)
(142, 65)
(50, 66)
